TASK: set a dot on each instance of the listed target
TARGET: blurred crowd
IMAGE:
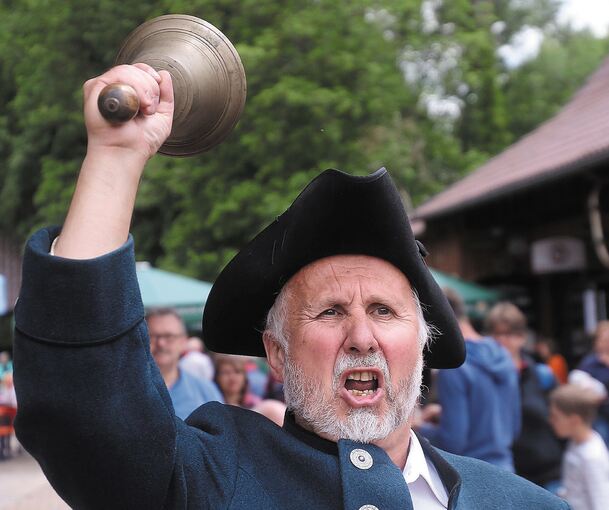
(194, 376)
(8, 404)
(514, 402)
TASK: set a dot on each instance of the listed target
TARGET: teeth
(362, 376)
(363, 393)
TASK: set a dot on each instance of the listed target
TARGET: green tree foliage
(47, 49)
(349, 85)
(536, 90)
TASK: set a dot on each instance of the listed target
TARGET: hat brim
(336, 214)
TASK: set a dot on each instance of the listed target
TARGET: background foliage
(416, 86)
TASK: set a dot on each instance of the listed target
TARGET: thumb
(166, 94)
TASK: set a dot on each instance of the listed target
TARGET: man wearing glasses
(167, 343)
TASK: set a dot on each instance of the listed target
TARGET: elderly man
(329, 291)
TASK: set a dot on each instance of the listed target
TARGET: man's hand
(100, 213)
(149, 129)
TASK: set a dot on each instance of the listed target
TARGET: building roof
(571, 141)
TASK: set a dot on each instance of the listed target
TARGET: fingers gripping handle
(118, 103)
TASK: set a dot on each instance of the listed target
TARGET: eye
(330, 312)
(383, 311)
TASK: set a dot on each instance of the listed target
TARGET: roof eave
(573, 167)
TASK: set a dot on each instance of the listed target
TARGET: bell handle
(118, 103)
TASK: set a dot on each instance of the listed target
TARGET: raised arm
(100, 213)
(92, 407)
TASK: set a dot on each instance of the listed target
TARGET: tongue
(350, 384)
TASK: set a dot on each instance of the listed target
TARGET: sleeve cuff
(67, 301)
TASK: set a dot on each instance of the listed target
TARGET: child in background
(585, 468)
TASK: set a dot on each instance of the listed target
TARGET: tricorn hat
(336, 214)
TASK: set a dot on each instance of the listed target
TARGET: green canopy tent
(478, 299)
(165, 289)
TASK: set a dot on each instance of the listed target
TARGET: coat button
(368, 507)
(361, 459)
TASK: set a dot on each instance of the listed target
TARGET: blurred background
(491, 115)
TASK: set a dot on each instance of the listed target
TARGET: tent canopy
(165, 289)
(478, 299)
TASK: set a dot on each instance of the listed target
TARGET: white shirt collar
(426, 488)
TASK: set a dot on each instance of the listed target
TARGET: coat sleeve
(92, 406)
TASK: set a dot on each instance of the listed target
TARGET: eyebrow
(328, 301)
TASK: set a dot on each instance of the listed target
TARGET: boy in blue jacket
(480, 400)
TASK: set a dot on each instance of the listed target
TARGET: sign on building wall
(558, 254)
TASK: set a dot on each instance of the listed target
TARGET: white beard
(307, 398)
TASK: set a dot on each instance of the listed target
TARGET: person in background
(585, 467)
(8, 396)
(6, 365)
(545, 351)
(257, 371)
(597, 365)
(8, 409)
(274, 389)
(167, 342)
(274, 410)
(479, 401)
(231, 378)
(196, 361)
(537, 451)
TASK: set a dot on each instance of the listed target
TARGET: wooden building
(527, 221)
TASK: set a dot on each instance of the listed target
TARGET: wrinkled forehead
(333, 273)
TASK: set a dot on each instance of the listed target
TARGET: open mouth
(362, 383)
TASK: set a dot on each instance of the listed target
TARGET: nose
(359, 336)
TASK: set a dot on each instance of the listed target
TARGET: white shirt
(585, 474)
(426, 488)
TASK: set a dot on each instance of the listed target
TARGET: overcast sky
(592, 14)
(587, 13)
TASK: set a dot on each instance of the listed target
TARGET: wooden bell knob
(118, 103)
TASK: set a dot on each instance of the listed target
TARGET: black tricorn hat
(336, 214)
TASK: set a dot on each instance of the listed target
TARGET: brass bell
(207, 74)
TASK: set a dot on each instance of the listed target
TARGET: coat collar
(449, 475)
(307, 437)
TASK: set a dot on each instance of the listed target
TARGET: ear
(275, 355)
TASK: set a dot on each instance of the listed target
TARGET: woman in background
(231, 378)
